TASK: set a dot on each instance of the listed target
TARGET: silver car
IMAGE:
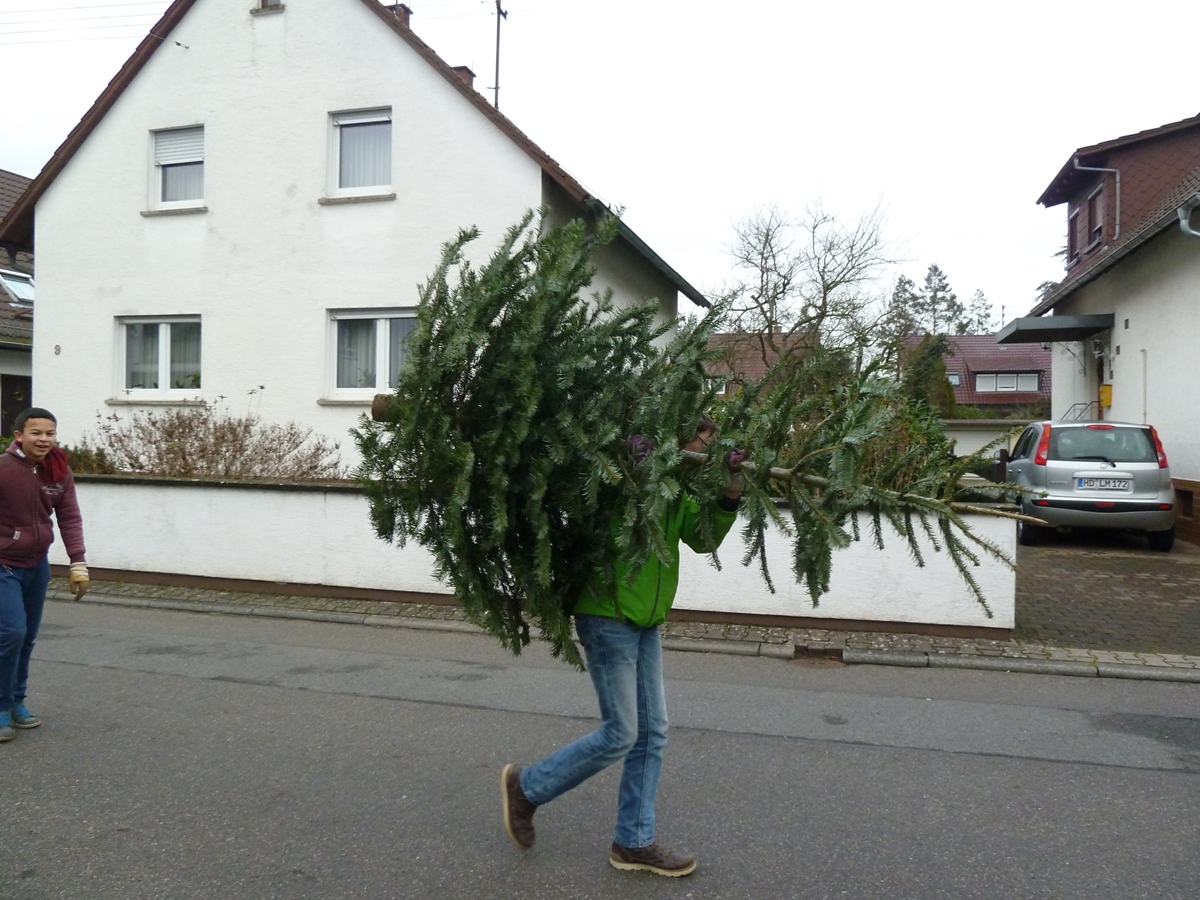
(1094, 475)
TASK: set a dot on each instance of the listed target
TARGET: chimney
(466, 75)
(401, 12)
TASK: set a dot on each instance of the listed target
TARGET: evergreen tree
(978, 318)
(534, 433)
(925, 378)
(937, 310)
(897, 323)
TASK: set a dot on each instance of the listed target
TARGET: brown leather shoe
(654, 858)
(518, 811)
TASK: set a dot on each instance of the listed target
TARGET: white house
(250, 207)
(1124, 323)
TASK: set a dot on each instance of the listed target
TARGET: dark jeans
(22, 597)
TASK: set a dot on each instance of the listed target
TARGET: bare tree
(811, 280)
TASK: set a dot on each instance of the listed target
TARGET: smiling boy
(35, 481)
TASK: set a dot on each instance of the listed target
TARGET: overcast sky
(950, 116)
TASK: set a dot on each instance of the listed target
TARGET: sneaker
(654, 858)
(23, 718)
(6, 729)
(518, 811)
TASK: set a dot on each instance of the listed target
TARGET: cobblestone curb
(848, 647)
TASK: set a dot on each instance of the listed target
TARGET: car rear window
(1111, 444)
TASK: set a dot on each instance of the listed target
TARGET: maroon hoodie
(26, 501)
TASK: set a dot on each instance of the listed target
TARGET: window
(954, 379)
(1095, 210)
(179, 167)
(362, 152)
(18, 286)
(160, 354)
(1073, 238)
(1026, 382)
(1025, 445)
(368, 350)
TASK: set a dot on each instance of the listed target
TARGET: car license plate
(1102, 484)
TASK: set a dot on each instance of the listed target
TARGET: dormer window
(16, 287)
(1095, 217)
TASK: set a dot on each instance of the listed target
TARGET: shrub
(87, 460)
(208, 442)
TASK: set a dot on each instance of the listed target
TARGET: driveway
(1107, 591)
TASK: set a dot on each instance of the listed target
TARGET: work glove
(737, 479)
(78, 580)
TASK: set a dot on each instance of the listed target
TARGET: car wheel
(1029, 535)
(1162, 541)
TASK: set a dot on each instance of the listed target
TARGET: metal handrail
(1080, 411)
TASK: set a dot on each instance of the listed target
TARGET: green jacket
(647, 599)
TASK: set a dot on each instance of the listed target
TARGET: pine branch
(506, 447)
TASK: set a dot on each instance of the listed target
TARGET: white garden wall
(324, 537)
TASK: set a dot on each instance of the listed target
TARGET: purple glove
(640, 447)
(737, 481)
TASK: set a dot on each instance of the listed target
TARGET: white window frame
(333, 178)
(11, 282)
(164, 358)
(156, 172)
(381, 317)
(953, 378)
(1006, 382)
(985, 384)
(1026, 376)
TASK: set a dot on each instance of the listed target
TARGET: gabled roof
(16, 319)
(1161, 217)
(1063, 185)
(974, 354)
(12, 186)
(17, 226)
(749, 355)
(981, 353)
(16, 325)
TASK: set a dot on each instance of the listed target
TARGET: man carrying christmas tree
(621, 641)
(35, 481)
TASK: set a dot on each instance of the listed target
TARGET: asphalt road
(204, 756)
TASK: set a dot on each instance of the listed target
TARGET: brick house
(746, 356)
(998, 379)
(1125, 320)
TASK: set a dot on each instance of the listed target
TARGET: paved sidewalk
(1125, 608)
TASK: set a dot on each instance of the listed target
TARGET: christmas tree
(534, 437)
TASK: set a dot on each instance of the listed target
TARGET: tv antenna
(500, 14)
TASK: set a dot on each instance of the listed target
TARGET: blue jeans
(22, 597)
(625, 662)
